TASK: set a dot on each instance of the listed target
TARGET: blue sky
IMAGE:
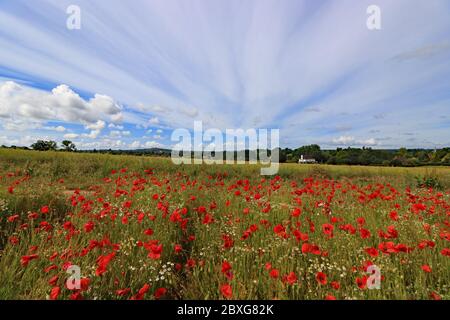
(138, 69)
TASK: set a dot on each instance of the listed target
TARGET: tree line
(367, 156)
(341, 156)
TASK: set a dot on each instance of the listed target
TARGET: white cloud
(154, 121)
(99, 125)
(344, 140)
(19, 102)
(352, 141)
(115, 126)
(57, 129)
(135, 145)
(71, 136)
(153, 144)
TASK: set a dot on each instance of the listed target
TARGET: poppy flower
(335, 285)
(330, 297)
(54, 293)
(178, 248)
(53, 280)
(291, 278)
(364, 233)
(45, 209)
(103, 262)
(435, 296)
(373, 252)
(13, 218)
(296, 212)
(123, 292)
(25, 260)
(155, 251)
(226, 291)
(226, 267)
(160, 292)
(148, 232)
(393, 215)
(327, 229)
(274, 273)
(321, 278)
(141, 293)
(84, 284)
(362, 282)
(426, 268)
(89, 226)
(445, 252)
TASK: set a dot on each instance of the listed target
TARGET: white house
(304, 160)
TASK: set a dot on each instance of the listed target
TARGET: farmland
(143, 228)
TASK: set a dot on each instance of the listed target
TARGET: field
(143, 228)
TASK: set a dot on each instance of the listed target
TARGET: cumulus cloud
(154, 121)
(352, 141)
(22, 103)
(153, 144)
(57, 128)
(71, 136)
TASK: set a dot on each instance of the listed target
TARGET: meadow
(143, 228)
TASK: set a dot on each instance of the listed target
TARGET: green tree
(69, 146)
(42, 145)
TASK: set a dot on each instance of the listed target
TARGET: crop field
(144, 228)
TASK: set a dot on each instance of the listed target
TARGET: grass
(197, 207)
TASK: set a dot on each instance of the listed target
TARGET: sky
(137, 70)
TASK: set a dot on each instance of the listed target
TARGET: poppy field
(143, 228)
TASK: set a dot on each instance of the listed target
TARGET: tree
(69, 146)
(42, 145)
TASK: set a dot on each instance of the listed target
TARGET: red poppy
(89, 226)
(226, 267)
(373, 252)
(274, 273)
(148, 232)
(321, 278)
(335, 285)
(435, 296)
(445, 252)
(296, 212)
(178, 248)
(227, 241)
(226, 291)
(13, 218)
(123, 292)
(155, 251)
(53, 280)
(54, 293)
(25, 260)
(103, 262)
(160, 292)
(141, 293)
(45, 209)
(328, 230)
(393, 215)
(291, 278)
(330, 297)
(362, 282)
(426, 268)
